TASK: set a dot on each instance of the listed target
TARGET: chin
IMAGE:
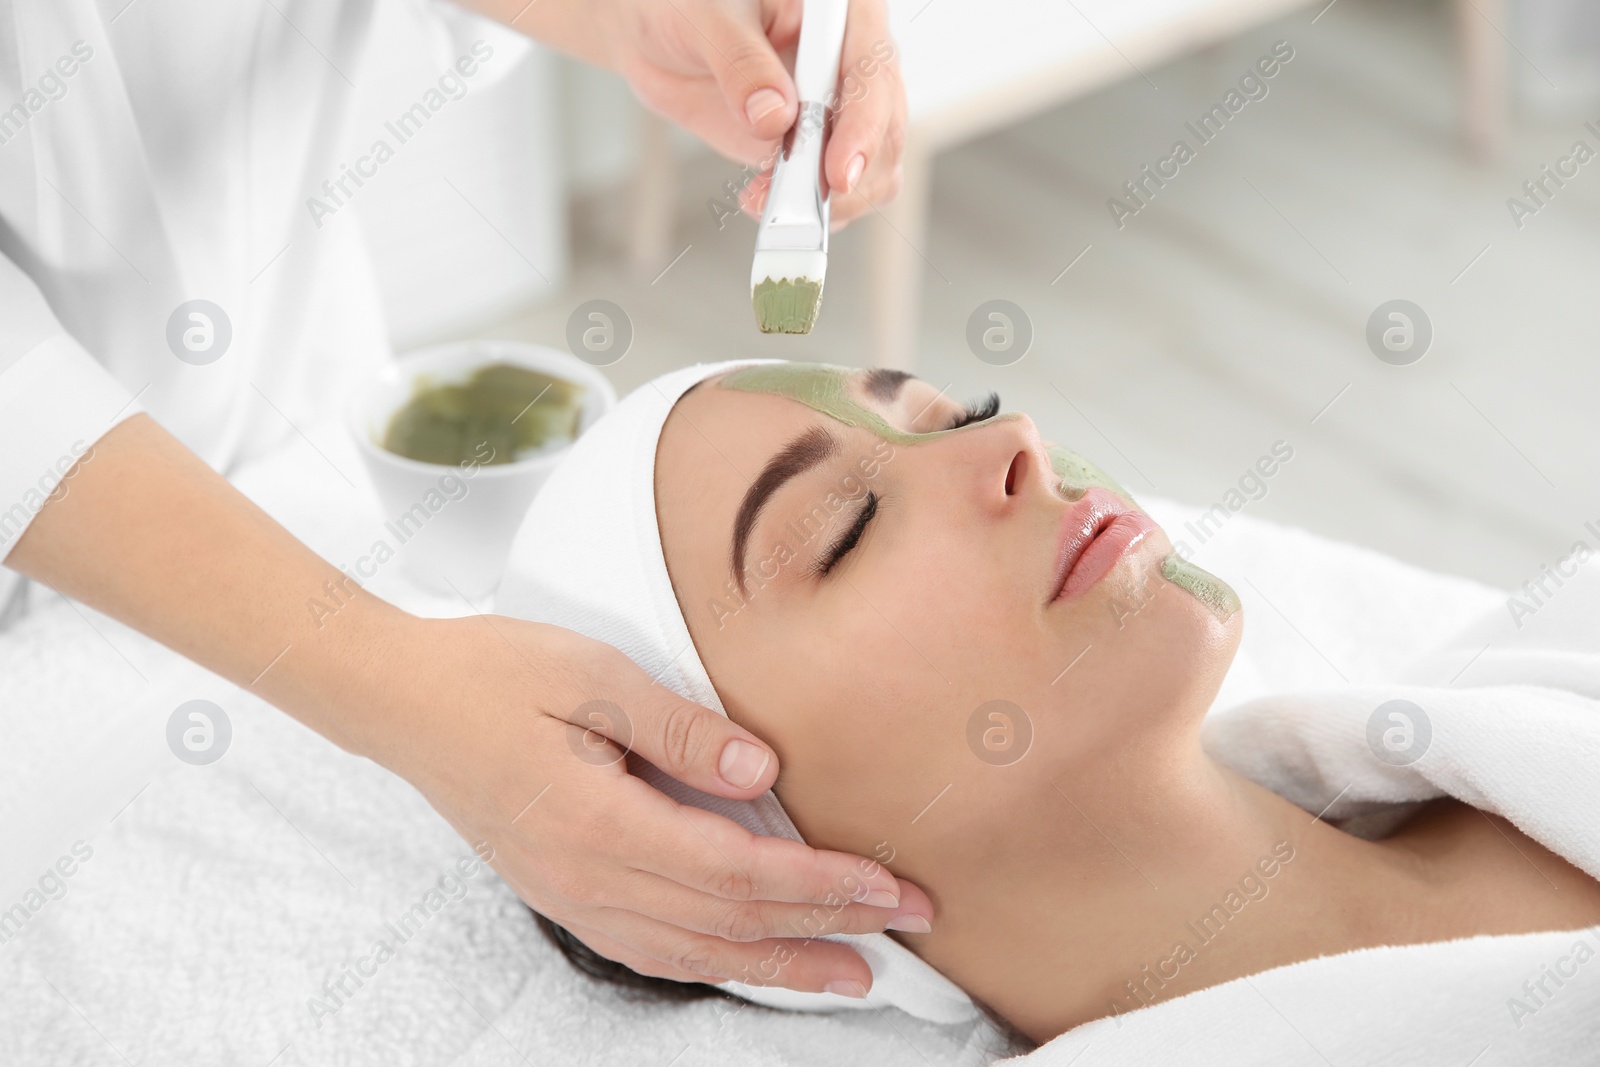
(1208, 644)
(1176, 651)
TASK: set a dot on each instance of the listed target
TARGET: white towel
(588, 557)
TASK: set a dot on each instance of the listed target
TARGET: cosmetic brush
(791, 258)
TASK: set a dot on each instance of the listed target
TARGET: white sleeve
(458, 29)
(55, 403)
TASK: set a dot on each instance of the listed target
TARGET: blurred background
(1177, 340)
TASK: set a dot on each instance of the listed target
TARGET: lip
(1096, 532)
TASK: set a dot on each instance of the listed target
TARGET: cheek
(955, 609)
(842, 682)
(805, 681)
(863, 725)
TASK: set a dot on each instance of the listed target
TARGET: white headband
(588, 557)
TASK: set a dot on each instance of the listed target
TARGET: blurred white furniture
(975, 66)
(971, 68)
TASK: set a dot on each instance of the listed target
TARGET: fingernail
(910, 924)
(742, 763)
(852, 173)
(846, 987)
(762, 103)
(881, 898)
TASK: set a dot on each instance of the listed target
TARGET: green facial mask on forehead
(826, 389)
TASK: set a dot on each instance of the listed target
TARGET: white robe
(155, 152)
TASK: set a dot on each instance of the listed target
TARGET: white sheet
(218, 899)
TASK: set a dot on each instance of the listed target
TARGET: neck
(1083, 907)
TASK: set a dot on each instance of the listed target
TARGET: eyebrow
(806, 451)
(885, 385)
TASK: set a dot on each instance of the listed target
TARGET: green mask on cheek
(826, 389)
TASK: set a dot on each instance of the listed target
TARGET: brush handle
(816, 60)
(796, 215)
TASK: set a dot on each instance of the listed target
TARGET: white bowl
(452, 525)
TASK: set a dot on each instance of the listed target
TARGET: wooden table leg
(1483, 75)
(897, 234)
(655, 189)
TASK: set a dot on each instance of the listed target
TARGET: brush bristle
(788, 305)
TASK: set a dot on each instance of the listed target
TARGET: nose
(1007, 459)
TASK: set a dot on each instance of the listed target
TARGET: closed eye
(849, 538)
(977, 411)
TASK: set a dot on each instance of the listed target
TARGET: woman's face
(897, 634)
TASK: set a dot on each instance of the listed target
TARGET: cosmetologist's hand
(714, 67)
(478, 714)
(717, 68)
(499, 728)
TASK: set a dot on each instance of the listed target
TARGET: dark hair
(1012, 1042)
(598, 967)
